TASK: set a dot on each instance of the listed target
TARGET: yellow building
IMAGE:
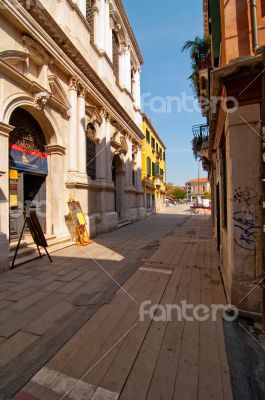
(153, 167)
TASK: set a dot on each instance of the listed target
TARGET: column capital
(104, 113)
(74, 83)
(81, 90)
(5, 129)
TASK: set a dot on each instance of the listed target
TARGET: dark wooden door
(35, 196)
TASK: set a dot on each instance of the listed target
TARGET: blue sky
(161, 29)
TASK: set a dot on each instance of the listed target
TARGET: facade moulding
(32, 87)
(62, 51)
(129, 29)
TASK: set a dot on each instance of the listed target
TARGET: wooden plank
(164, 376)
(219, 298)
(186, 385)
(148, 339)
(210, 380)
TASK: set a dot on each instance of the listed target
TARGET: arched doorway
(118, 177)
(28, 169)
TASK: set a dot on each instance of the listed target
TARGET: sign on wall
(28, 160)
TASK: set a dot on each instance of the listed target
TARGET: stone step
(29, 251)
(123, 223)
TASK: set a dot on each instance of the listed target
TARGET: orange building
(236, 117)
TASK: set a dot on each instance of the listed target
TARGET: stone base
(141, 212)
(106, 222)
(253, 302)
(4, 251)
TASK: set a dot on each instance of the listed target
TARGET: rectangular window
(147, 135)
(157, 147)
(161, 173)
(148, 166)
(164, 156)
(153, 169)
(153, 143)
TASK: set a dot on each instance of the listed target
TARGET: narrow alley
(71, 329)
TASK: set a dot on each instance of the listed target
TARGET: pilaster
(4, 194)
(81, 105)
(73, 128)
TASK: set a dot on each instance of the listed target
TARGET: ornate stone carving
(91, 131)
(118, 142)
(73, 83)
(81, 89)
(41, 99)
(104, 113)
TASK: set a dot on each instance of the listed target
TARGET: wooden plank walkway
(117, 356)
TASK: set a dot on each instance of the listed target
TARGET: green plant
(207, 195)
(200, 52)
(197, 143)
(179, 193)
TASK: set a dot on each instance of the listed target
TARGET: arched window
(91, 151)
(115, 53)
(90, 18)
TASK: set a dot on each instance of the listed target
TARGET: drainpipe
(254, 25)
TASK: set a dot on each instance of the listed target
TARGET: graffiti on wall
(246, 196)
(246, 229)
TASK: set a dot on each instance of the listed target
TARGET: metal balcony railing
(200, 130)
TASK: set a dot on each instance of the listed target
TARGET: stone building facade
(236, 134)
(70, 119)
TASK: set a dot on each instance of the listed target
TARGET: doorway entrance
(28, 170)
(118, 177)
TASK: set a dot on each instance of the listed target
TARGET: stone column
(100, 25)
(56, 201)
(128, 162)
(72, 134)
(101, 148)
(108, 151)
(81, 102)
(4, 194)
(137, 89)
(139, 168)
(108, 32)
(127, 66)
(122, 79)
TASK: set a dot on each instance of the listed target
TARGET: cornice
(48, 25)
(5, 129)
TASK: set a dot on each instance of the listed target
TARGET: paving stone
(13, 346)
(47, 320)
(70, 287)
(53, 286)
(5, 303)
(13, 321)
(29, 301)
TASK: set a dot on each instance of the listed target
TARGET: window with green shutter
(147, 135)
(153, 143)
(148, 165)
(153, 169)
